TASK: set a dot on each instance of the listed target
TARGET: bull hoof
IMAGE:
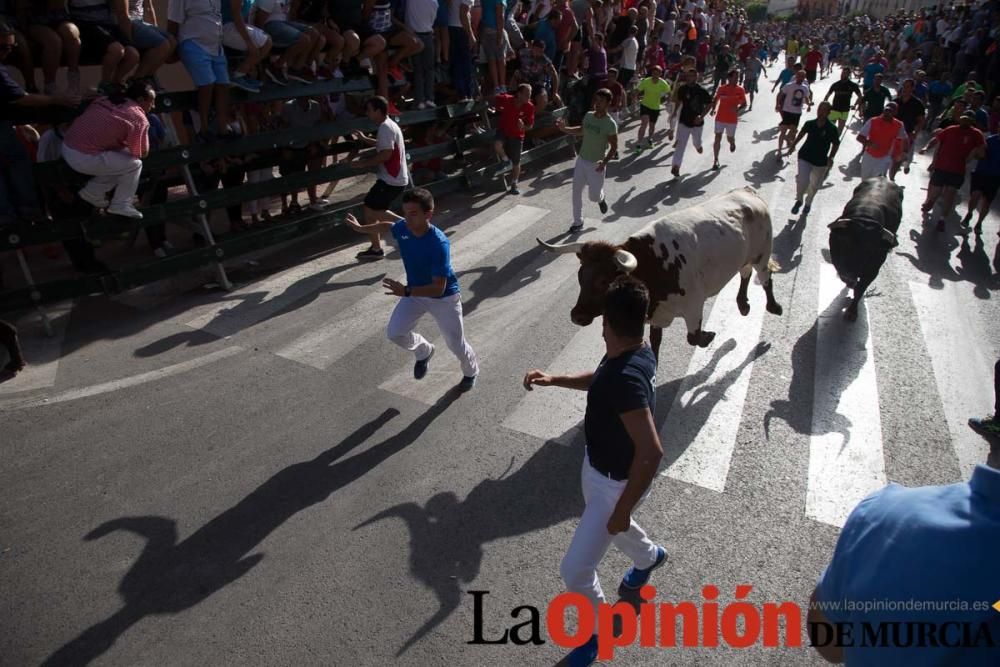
(775, 308)
(851, 315)
(744, 307)
(701, 338)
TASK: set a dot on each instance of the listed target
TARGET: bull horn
(626, 260)
(563, 249)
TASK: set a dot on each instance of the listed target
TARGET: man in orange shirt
(883, 136)
(729, 99)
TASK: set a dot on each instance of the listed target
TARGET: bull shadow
(812, 409)
(787, 249)
(645, 203)
(448, 536)
(513, 276)
(170, 577)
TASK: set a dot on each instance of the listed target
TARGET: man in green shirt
(600, 133)
(653, 90)
(815, 156)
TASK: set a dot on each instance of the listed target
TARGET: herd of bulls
(687, 257)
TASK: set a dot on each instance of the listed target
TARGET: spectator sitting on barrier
(303, 113)
(315, 13)
(58, 37)
(302, 42)
(360, 45)
(254, 43)
(537, 70)
(396, 35)
(108, 142)
(154, 44)
(197, 25)
(102, 40)
(24, 58)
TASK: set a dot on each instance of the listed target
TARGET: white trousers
(808, 180)
(585, 173)
(875, 166)
(591, 540)
(447, 312)
(111, 170)
(683, 133)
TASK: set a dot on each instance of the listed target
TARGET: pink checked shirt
(108, 127)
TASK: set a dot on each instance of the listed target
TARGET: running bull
(861, 238)
(683, 259)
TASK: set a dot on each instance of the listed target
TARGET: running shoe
(576, 229)
(514, 191)
(420, 368)
(635, 578)
(371, 254)
(603, 205)
(716, 166)
(506, 166)
(125, 211)
(806, 209)
(987, 426)
(583, 656)
(797, 206)
(276, 75)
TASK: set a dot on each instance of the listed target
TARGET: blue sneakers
(584, 655)
(420, 368)
(635, 578)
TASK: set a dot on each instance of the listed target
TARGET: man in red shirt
(729, 99)
(813, 60)
(517, 114)
(956, 145)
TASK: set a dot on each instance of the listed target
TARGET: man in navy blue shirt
(623, 452)
(431, 285)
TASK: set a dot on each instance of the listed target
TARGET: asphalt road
(255, 478)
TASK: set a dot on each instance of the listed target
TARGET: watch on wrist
(406, 291)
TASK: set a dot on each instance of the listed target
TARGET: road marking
(123, 383)
(367, 317)
(846, 461)
(962, 369)
(42, 353)
(699, 434)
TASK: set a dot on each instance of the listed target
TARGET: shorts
(146, 36)
(728, 128)
(96, 38)
(204, 68)
(285, 33)
(231, 38)
(839, 115)
(381, 196)
(50, 19)
(948, 179)
(512, 146)
(986, 184)
(811, 75)
(652, 114)
(790, 119)
(488, 40)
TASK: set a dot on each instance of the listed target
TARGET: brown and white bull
(683, 259)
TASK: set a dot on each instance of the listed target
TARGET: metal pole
(35, 295)
(206, 230)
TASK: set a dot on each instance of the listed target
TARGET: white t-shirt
(630, 51)
(454, 12)
(420, 15)
(796, 95)
(277, 10)
(394, 170)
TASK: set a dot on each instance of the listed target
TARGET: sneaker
(797, 206)
(906, 169)
(431, 105)
(467, 382)
(987, 426)
(635, 578)
(715, 166)
(371, 254)
(420, 368)
(926, 207)
(806, 209)
(506, 166)
(97, 201)
(125, 211)
(320, 204)
(514, 191)
(244, 82)
(603, 205)
(576, 229)
(583, 656)
(676, 171)
(276, 75)
(700, 149)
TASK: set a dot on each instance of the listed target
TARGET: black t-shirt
(909, 112)
(842, 91)
(346, 14)
(694, 101)
(816, 149)
(875, 99)
(10, 92)
(620, 385)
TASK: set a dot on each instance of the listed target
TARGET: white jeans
(585, 173)
(110, 169)
(683, 132)
(808, 180)
(875, 166)
(591, 540)
(447, 312)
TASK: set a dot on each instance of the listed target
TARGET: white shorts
(231, 37)
(729, 128)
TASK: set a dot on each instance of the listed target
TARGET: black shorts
(381, 196)
(96, 38)
(651, 114)
(942, 178)
(790, 119)
(811, 75)
(985, 184)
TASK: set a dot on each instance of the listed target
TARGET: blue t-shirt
(544, 32)
(940, 89)
(488, 18)
(785, 77)
(990, 165)
(871, 69)
(930, 544)
(425, 257)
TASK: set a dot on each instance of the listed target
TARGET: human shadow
(551, 179)
(689, 187)
(812, 409)
(976, 267)
(448, 536)
(638, 206)
(770, 134)
(169, 576)
(513, 276)
(852, 168)
(764, 170)
(932, 255)
(787, 247)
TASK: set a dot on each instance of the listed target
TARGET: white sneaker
(431, 105)
(422, 105)
(320, 204)
(125, 211)
(97, 201)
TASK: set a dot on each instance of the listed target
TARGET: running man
(623, 452)
(600, 142)
(653, 89)
(842, 92)
(985, 182)
(692, 103)
(751, 76)
(517, 114)
(882, 137)
(815, 156)
(729, 99)
(956, 144)
(789, 105)
(912, 113)
(431, 286)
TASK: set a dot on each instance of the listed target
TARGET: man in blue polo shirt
(926, 555)
(431, 286)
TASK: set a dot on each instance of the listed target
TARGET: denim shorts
(146, 36)
(205, 69)
(284, 33)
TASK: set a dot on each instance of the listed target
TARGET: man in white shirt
(791, 98)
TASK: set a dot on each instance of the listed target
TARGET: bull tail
(765, 268)
(773, 266)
